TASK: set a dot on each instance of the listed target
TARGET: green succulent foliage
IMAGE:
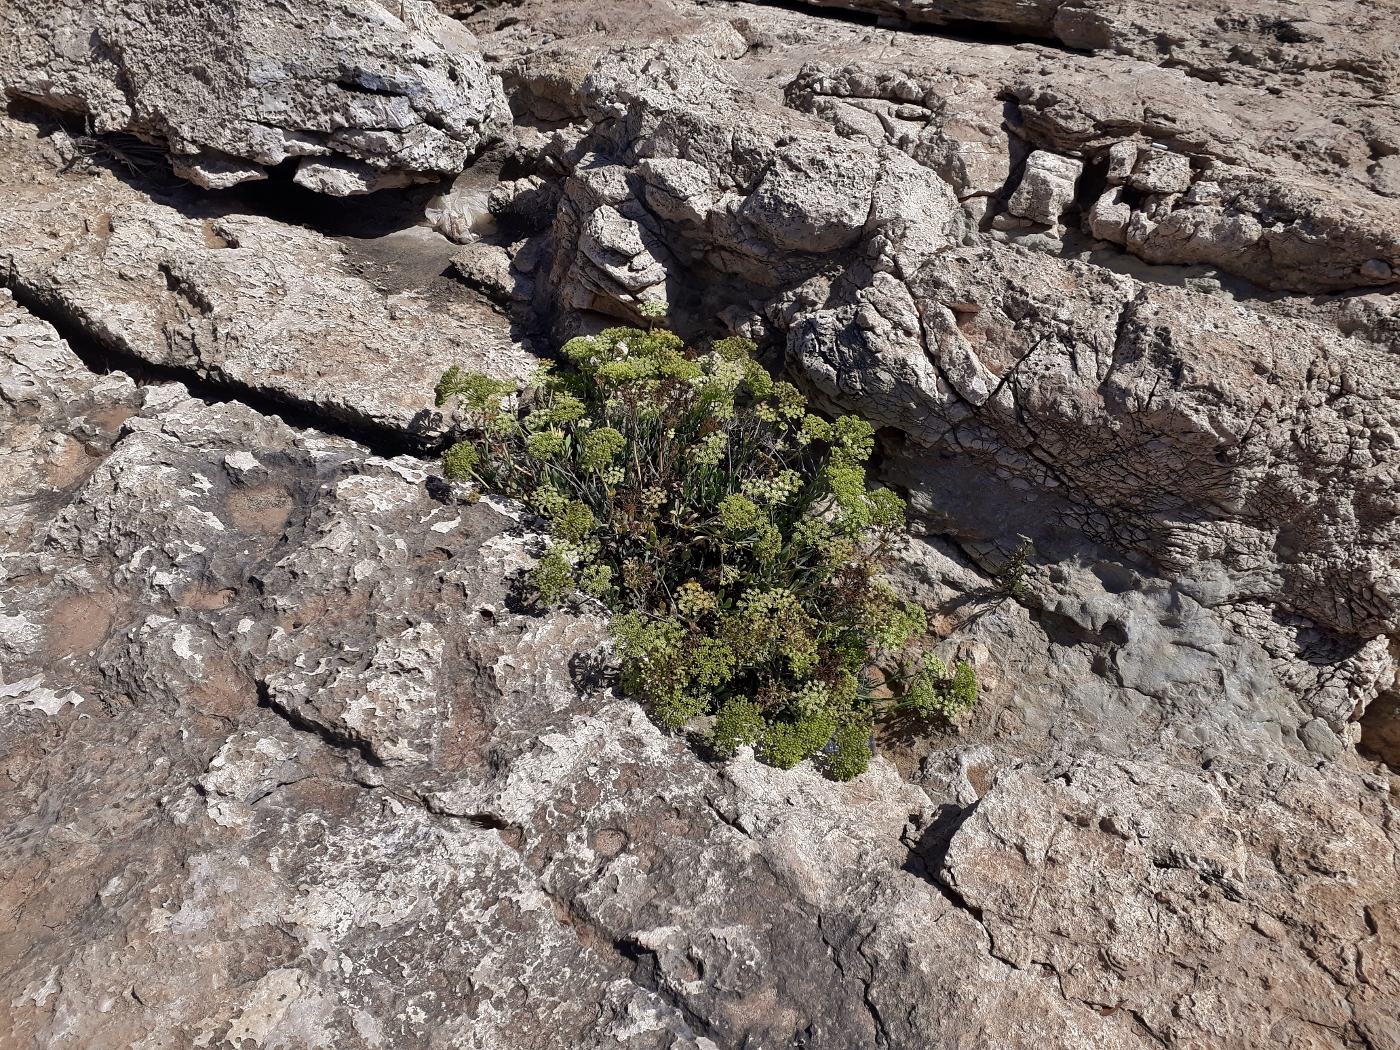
(848, 754)
(738, 723)
(731, 531)
(553, 577)
(934, 692)
(460, 461)
(478, 392)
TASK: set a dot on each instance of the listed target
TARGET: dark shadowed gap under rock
(102, 357)
(145, 166)
(1380, 730)
(964, 30)
(333, 738)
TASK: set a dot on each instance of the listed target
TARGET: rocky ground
(286, 765)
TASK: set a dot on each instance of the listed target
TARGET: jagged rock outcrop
(358, 95)
(1184, 424)
(1340, 47)
(1171, 171)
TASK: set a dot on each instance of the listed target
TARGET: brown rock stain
(262, 509)
(79, 624)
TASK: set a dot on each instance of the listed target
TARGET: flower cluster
(710, 452)
(598, 448)
(730, 530)
(933, 692)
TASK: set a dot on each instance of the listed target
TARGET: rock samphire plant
(730, 531)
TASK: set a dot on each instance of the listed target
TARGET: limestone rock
(1185, 875)
(1160, 171)
(355, 329)
(507, 807)
(884, 315)
(1333, 42)
(324, 732)
(290, 764)
(368, 94)
(1046, 189)
(337, 177)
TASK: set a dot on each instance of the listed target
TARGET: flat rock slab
(290, 765)
(358, 330)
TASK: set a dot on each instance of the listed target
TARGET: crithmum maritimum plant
(730, 531)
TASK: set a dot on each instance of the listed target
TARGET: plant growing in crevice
(730, 531)
(652, 311)
(1011, 581)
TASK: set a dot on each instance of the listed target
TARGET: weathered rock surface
(1193, 426)
(279, 894)
(270, 713)
(355, 327)
(287, 764)
(358, 95)
(1332, 45)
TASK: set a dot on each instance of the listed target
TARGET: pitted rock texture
(361, 800)
(267, 884)
(1344, 48)
(358, 95)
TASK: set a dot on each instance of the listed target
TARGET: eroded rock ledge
(906, 225)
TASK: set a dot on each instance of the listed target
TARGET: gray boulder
(359, 95)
